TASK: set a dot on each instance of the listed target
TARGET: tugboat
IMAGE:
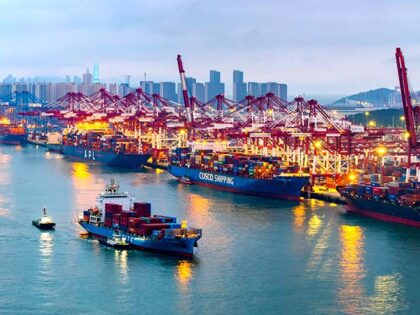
(117, 241)
(185, 180)
(45, 222)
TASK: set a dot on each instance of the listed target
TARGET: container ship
(254, 175)
(110, 148)
(118, 213)
(12, 134)
(397, 202)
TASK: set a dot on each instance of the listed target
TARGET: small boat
(45, 222)
(185, 180)
(117, 241)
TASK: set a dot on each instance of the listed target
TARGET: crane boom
(184, 88)
(406, 99)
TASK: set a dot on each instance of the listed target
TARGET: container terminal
(259, 139)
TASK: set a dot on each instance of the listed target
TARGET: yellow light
(318, 144)
(406, 135)
(182, 132)
(352, 177)
(367, 113)
(91, 125)
(4, 121)
(184, 224)
(402, 118)
(372, 123)
(381, 150)
(270, 111)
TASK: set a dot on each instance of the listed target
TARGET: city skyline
(89, 83)
(327, 54)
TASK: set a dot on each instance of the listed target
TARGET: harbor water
(257, 255)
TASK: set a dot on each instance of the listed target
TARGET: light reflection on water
(184, 273)
(85, 186)
(352, 269)
(4, 183)
(121, 263)
(256, 255)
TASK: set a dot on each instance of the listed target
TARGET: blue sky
(316, 47)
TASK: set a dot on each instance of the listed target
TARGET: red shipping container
(116, 218)
(112, 207)
(154, 226)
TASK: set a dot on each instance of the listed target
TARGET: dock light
(372, 123)
(318, 144)
(381, 150)
(352, 177)
(182, 132)
(402, 118)
(270, 111)
(367, 113)
(406, 135)
(184, 224)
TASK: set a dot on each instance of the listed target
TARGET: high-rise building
(95, 73)
(199, 92)
(214, 87)
(239, 87)
(214, 76)
(156, 88)
(147, 87)
(168, 91)
(77, 79)
(254, 89)
(283, 91)
(87, 78)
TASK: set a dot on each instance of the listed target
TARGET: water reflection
(389, 297)
(314, 224)
(86, 188)
(352, 270)
(4, 183)
(299, 215)
(199, 209)
(46, 249)
(121, 261)
(184, 273)
(46, 245)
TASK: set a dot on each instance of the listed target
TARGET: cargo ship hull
(384, 211)
(178, 247)
(282, 187)
(13, 139)
(54, 147)
(108, 158)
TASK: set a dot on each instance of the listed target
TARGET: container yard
(259, 137)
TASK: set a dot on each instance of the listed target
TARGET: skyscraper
(168, 91)
(214, 87)
(254, 89)
(95, 73)
(239, 87)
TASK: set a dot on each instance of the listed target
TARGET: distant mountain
(382, 118)
(378, 97)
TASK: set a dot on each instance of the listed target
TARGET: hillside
(382, 118)
(376, 97)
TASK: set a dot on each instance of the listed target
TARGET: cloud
(320, 46)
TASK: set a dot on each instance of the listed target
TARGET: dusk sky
(316, 47)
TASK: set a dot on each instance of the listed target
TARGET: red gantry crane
(411, 113)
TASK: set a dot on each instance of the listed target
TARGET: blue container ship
(12, 134)
(259, 176)
(396, 202)
(117, 213)
(113, 149)
(111, 158)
